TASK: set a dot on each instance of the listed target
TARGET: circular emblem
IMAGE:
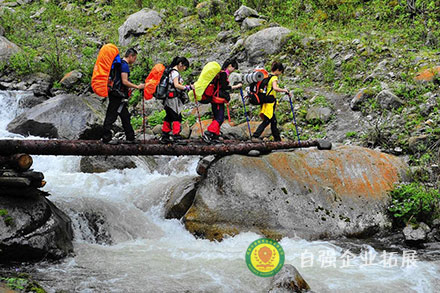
(265, 257)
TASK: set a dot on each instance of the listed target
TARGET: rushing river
(141, 251)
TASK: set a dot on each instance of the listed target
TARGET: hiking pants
(273, 127)
(111, 116)
(172, 121)
(218, 110)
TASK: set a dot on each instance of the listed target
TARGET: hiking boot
(165, 138)
(178, 139)
(208, 136)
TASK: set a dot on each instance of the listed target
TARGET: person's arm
(127, 83)
(278, 89)
(177, 85)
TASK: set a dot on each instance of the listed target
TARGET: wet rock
(100, 164)
(288, 279)
(322, 114)
(203, 165)
(63, 116)
(252, 22)
(7, 49)
(265, 42)
(181, 196)
(243, 12)
(137, 24)
(388, 100)
(416, 234)
(71, 78)
(307, 193)
(33, 229)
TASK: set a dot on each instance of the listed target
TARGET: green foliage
(136, 121)
(412, 203)
(6, 218)
(23, 283)
(156, 118)
(351, 134)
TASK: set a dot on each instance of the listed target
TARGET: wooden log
(94, 148)
(20, 162)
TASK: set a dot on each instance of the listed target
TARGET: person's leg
(274, 128)
(126, 123)
(261, 127)
(220, 117)
(110, 117)
(177, 119)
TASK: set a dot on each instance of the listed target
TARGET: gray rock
(235, 78)
(71, 78)
(359, 98)
(243, 12)
(137, 24)
(203, 165)
(181, 197)
(416, 234)
(288, 279)
(307, 193)
(265, 42)
(30, 101)
(36, 228)
(388, 100)
(348, 57)
(7, 49)
(2, 31)
(64, 116)
(100, 164)
(38, 13)
(40, 83)
(183, 10)
(157, 129)
(252, 22)
(224, 35)
(319, 113)
(234, 132)
(254, 153)
(418, 143)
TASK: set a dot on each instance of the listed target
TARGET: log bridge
(15, 159)
(147, 148)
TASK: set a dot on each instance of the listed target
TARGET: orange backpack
(101, 71)
(153, 80)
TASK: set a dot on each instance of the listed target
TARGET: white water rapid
(148, 253)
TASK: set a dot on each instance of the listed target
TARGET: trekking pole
(293, 114)
(143, 113)
(245, 113)
(198, 113)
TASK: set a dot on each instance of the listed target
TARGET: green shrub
(412, 203)
(156, 118)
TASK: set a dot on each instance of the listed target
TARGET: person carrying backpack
(173, 103)
(267, 112)
(222, 86)
(118, 98)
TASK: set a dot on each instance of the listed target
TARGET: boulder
(71, 78)
(243, 12)
(307, 193)
(180, 197)
(137, 24)
(211, 7)
(265, 42)
(99, 164)
(288, 279)
(252, 22)
(32, 229)
(7, 49)
(388, 100)
(322, 114)
(63, 116)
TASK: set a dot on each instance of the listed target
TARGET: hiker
(118, 99)
(267, 112)
(218, 103)
(173, 103)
